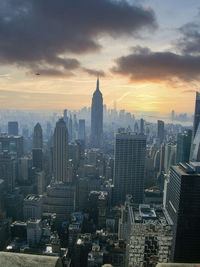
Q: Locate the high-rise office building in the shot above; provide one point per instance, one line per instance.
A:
(195, 147)
(14, 144)
(81, 130)
(161, 130)
(170, 156)
(183, 205)
(141, 126)
(60, 143)
(196, 114)
(129, 167)
(37, 156)
(37, 136)
(7, 170)
(13, 128)
(97, 118)
(183, 146)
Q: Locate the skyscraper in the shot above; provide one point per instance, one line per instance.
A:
(141, 126)
(60, 143)
(183, 205)
(129, 167)
(196, 114)
(37, 136)
(13, 128)
(195, 147)
(97, 118)
(81, 130)
(160, 130)
(183, 146)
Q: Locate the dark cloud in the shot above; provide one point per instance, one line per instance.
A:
(144, 65)
(40, 31)
(95, 72)
(189, 43)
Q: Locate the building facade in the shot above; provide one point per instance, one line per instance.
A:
(183, 205)
(129, 167)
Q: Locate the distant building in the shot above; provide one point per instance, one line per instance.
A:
(24, 165)
(14, 144)
(183, 146)
(196, 114)
(37, 136)
(170, 156)
(141, 126)
(81, 130)
(7, 170)
(13, 128)
(37, 156)
(161, 130)
(60, 151)
(32, 207)
(183, 205)
(97, 118)
(129, 167)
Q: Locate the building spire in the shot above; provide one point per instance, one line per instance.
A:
(97, 82)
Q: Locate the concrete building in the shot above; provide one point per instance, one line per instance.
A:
(149, 236)
(60, 199)
(129, 167)
(13, 144)
(23, 260)
(34, 232)
(32, 207)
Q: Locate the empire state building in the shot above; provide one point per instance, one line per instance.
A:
(97, 118)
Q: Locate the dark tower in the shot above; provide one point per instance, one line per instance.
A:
(183, 205)
(97, 118)
(37, 136)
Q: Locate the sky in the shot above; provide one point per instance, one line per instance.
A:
(146, 53)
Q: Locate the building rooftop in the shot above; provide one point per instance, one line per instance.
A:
(146, 215)
(26, 260)
(32, 198)
(178, 265)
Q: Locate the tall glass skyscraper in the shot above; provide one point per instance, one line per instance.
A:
(97, 118)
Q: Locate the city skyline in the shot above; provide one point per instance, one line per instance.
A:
(68, 69)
